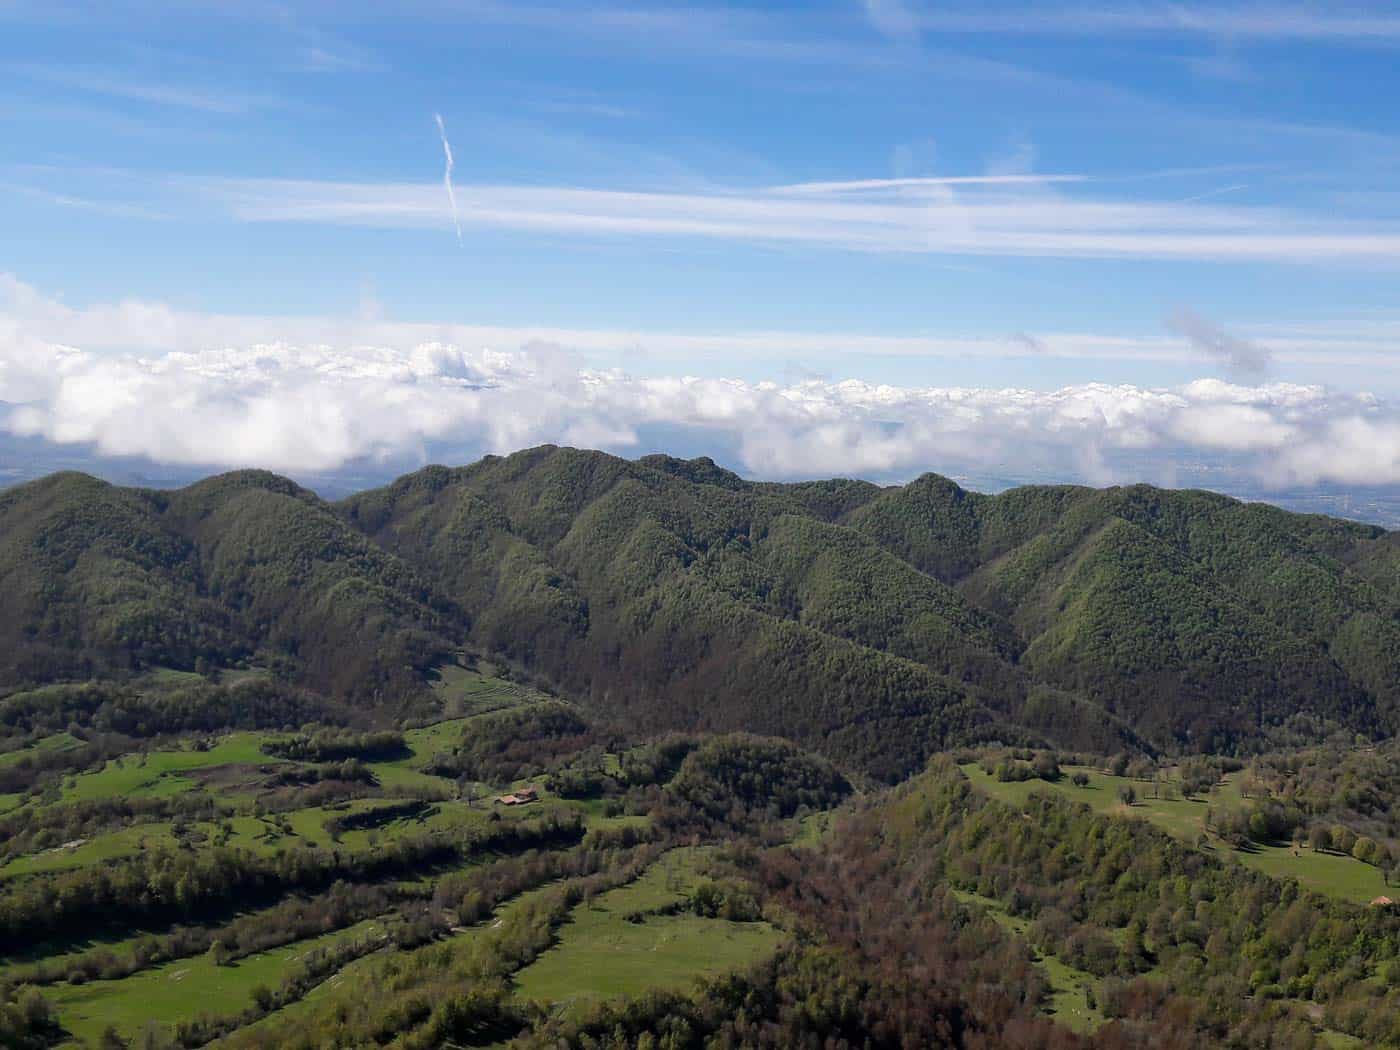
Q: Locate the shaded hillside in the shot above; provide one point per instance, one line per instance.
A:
(894, 620)
(875, 625)
(666, 602)
(99, 580)
(93, 581)
(1194, 616)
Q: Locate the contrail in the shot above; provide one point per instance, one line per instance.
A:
(447, 175)
(1216, 192)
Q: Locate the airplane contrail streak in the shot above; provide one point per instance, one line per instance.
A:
(447, 175)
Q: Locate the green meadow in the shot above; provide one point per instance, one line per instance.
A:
(161, 773)
(601, 954)
(56, 742)
(1333, 874)
(262, 835)
(158, 774)
(183, 989)
(467, 692)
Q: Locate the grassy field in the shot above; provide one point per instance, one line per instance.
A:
(170, 677)
(92, 851)
(70, 950)
(593, 812)
(183, 989)
(1340, 1040)
(304, 827)
(56, 742)
(314, 997)
(262, 835)
(235, 771)
(406, 773)
(465, 692)
(601, 954)
(465, 695)
(1334, 874)
(158, 774)
(358, 970)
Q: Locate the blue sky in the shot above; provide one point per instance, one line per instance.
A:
(1055, 198)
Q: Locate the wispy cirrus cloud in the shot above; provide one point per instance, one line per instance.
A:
(730, 31)
(1328, 23)
(894, 18)
(978, 215)
(140, 89)
(116, 209)
(915, 183)
(573, 107)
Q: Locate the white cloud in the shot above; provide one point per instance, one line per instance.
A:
(893, 18)
(117, 209)
(145, 326)
(932, 183)
(121, 85)
(1006, 214)
(1332, 22)
(318, 404)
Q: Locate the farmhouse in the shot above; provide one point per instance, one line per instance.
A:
(520, 797)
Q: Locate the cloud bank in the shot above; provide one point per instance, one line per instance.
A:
(321, 404)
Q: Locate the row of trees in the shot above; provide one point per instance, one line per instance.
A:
(344, 904)
(339, 745)
(452, 992)
(163, 886)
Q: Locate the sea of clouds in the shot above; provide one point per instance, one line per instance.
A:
(143, 380)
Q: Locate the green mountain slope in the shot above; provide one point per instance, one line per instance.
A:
(244, 566)
(671, 602)
(92, 581)
(876, 625)
(1196, 617)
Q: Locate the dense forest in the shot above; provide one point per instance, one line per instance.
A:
(878, 625)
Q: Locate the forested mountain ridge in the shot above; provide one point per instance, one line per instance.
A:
(98, 580)
(874, 624)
